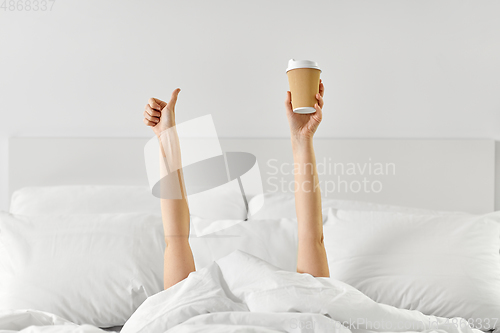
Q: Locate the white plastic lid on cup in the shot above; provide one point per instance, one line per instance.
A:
(294, 64)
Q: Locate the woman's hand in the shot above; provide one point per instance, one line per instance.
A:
(303, 126)
(160, 115)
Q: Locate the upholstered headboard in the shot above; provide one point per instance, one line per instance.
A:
(435, 174)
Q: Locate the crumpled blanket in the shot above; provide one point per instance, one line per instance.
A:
(243, 293)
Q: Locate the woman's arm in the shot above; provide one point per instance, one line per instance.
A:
(311, 250)
(178, 258)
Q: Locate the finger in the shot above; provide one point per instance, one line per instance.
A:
(149, 123)
(319, 98)
(156, 104)
(173, 99)
(151, 118)
(319, 112)
(288, 102)
(151, 112)
(321, 88)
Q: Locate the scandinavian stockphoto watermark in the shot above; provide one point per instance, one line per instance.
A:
(343, 177)
(186, 161)
(436, 323)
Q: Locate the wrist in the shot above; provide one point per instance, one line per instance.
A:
(302, 148)
(299, 142)
(169, 131)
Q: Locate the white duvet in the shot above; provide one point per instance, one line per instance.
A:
(242, 293)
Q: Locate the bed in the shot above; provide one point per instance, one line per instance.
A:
(82, 244)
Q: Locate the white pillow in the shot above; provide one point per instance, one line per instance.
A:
(442, 265)
(85, 199)
(223, 202)
(274, 241)
(98, 268)
(282, 205)
(89, 269)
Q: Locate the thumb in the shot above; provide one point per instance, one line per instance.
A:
(173, 99)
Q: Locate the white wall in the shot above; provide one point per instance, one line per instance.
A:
(392, 69)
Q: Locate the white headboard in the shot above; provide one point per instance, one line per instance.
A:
(434, 174)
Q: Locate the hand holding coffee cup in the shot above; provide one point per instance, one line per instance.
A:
(303, 126)
(303, 79)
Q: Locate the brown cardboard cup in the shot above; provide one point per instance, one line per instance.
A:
(303, 79)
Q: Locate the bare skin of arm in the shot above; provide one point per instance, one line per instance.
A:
(178, 258)
(311, 256)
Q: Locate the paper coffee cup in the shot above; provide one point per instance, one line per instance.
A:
(303, 79)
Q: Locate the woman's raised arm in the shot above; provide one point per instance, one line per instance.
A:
(311, 250)
(178, 259)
